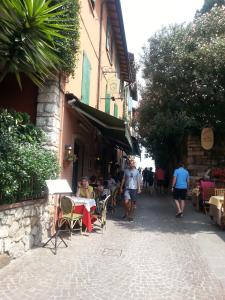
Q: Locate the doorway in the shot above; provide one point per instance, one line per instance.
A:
(78, 165)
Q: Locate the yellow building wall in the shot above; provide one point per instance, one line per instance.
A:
(89, 43)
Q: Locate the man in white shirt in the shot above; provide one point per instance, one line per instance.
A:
(132, 183)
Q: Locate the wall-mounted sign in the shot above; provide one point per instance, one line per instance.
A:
(207, 138)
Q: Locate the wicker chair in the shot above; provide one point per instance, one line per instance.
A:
(68, 217)
(114, 198)
(219, 192)
(101, 215)
(208, 194)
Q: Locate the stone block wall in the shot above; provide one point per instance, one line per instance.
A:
(48, 113)
(24, 225)
(200, 160)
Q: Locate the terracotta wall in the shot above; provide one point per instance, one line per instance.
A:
(75, 127)
(13, 98)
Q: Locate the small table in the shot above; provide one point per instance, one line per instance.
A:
(217, 201)
(84, 206)
(215, 210)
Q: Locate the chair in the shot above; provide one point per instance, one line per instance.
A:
(219, 192)
(67, 216)
(209, 192)
(114, 197)
(101, 215)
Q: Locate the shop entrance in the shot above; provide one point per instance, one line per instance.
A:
(78, 165)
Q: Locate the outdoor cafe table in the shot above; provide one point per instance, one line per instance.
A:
(84, 206)
(215, 210)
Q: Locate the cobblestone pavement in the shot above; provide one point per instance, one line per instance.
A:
(156, 257)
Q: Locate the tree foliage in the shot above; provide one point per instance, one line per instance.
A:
(34, 35)
(184, 72)
(68, 46)
(209, 4)
(25, 164)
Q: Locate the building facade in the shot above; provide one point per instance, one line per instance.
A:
(86, 117)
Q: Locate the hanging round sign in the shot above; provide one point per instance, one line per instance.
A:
(207, 138)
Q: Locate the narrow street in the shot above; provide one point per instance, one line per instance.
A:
(155, 257)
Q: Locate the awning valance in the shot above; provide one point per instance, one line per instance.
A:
(112, 128)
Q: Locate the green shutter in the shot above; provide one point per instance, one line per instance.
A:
(107, 103)
(86, 72)
(115, 110)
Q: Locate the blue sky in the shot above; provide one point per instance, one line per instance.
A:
(143, 17)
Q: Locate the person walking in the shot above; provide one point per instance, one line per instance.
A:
(150, 180)
(160, 179)
(180, 185)
(145, 178)
(132, 183)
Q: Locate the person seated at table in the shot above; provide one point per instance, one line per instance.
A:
(113, 187)
(111, 183)
(93, 181)
(100, 180)
(204, 185)
(101, 193)
(84, 189)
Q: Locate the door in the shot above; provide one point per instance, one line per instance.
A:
(78, 165)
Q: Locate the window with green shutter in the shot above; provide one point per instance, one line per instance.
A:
(115, 110)
(107, 103)
(86, 74)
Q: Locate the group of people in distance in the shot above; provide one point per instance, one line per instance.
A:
(180, 183)
(155, 180)
(128, 185)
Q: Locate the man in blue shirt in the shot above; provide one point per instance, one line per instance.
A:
(179, 188)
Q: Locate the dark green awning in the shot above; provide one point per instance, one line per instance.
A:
(114, 129)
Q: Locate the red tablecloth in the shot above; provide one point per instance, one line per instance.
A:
(86, 220)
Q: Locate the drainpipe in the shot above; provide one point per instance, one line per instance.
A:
(100, 54)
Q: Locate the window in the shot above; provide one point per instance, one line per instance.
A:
(86, 73)
(109, 46)
(107, 103)
(115, 110)
(92, 2)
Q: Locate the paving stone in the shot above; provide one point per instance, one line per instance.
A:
(155, 258)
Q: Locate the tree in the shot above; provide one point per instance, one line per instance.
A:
(183, 68)
(209, 4)
(32, 36)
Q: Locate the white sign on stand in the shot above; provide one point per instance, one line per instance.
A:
(58, 186)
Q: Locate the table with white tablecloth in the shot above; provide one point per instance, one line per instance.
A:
(84, 206)
(216, 208)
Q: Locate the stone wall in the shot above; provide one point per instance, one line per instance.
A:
(48, 113)
(24, 225)
(200, 160)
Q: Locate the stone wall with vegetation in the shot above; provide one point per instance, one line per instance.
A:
(24, 225)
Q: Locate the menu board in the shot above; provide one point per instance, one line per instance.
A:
(58, 186)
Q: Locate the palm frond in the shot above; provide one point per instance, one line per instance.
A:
(31, 32)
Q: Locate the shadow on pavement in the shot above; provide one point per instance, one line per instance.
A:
(157, 214)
